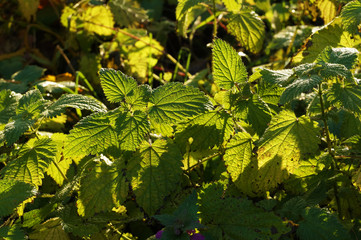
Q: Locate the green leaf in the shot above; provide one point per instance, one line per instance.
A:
(346, 96)
(185, 5)
(233, 218)
(33, 160)
(51, 229)
(12, 193)
(116, 85)
(228, 68)
(127, 13)
(99, 20)
(29, 8)
(139, 99)
(132, 129)
(60, 165)
(74, 101)
(255, 112)
(233, 5)
(154, 173)
(344, 56)
(15, 128)
(91, 135)
(8, 103)
(351, 16)
(285, 142)
(238, 155)
(175, 102)
(103, 187)
(11, 233)
(319, 224)
(206, 130)
(345, 125)
(29, 74)
(330, 35)
(249, 30)
(328, 10)
(280, 77)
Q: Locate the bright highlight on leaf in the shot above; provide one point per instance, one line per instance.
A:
(99, 20)
(116, 85)
(228, 68)
(351, 16)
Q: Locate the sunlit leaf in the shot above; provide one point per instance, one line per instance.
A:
(8, 103)
(51, 229)
(347, 96)
(328, 10)
(232, 5)
(344, 56)
(99, 20)
(351, 16)
(127, 13)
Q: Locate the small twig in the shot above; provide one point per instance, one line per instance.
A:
(204, 160)
(66, 59)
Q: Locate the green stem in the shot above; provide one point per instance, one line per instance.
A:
(215, 25)
(61, 171)
(329, 143)
(205, 159)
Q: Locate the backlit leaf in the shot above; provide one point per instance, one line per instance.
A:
(347, 96)
(185, 5)
(127, 13)
(285, 142)
(131, 129)
(33, 160)
(8, 103)
(249, 30)
(91, 135)
(233, 5)
(116, 85)
(103, 187)
(344, 56)
(175, 102)
(228, 68)
(139, 99)
(51, 229)
(351, 16)
(12, 193)
(206, 130)
(10, 233)
(99, 20)
(154, 172)
(328, 10)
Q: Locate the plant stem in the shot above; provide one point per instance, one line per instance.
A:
(334, 164)
(215, 25)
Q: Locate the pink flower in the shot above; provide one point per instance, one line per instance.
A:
(197, 236)
(158, 235)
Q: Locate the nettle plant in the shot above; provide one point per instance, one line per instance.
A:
(274, 155)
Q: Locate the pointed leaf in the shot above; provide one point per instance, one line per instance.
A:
(280, 77)
(285, 142)
(139, 99)
(175, 102)
(228, 68)
(344, 56)
(206, 130)
(154, 172)
(103, 187)
(12, 193)
(33, 160)
(91, 135)
(238, 154)
(132, 128)
(346, 96)
(232, 5)
(249, 30)
(116, 85)
(351, 16)
(185, 5)
(74, 101)
(8, 103)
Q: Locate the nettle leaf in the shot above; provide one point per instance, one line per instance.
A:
(13, 232)
(12, 193)
(138, 100)
(286, 141)
(29, 74)
(186, 5)
(127, 13)
(328, 10)
(91, 135)
(102, 188)
(206, 130)
(351, 16)
(248, 28)
(74, 101)
(320, 224)
(33, 160)
(154, 173)
(50, 229)
(8, 103)
(99, 20)
(330, 35)
(345, 125)
(131, 129)
(175, 102)
(233, 218)
(228, 68)
(346, 96)
(238, 155)
(60, 165)
(232, 5)
(344, 56)
(280, 77)
(255, 112)
(116, 85)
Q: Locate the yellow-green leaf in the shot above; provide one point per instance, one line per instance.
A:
(99, 20)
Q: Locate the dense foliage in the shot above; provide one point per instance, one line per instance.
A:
(189, 119)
